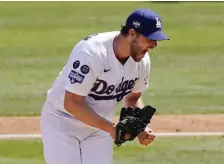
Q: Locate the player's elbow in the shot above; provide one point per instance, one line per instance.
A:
(67, 105)
(72, 102)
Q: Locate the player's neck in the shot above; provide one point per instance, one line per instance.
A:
(121, 48)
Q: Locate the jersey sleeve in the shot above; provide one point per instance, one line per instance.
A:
(143, 81)
(82, 70)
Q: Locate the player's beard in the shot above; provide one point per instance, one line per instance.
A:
(135, 51)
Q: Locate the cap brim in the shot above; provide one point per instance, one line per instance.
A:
(158, 36)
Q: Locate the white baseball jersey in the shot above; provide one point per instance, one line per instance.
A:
(93, 71)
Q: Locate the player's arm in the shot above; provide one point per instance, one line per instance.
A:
(81, 72)
(134, 99)
(75, 105)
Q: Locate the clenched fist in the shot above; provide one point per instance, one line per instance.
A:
(146, 137)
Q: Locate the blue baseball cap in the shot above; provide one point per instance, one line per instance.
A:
(147, 23)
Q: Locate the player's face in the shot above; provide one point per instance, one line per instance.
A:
(139, 46)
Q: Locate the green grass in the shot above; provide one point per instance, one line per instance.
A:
(185, 150)
(37, 37)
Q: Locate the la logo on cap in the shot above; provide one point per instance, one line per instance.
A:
(158, 23)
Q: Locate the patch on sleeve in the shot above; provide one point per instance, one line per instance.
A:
(76, 64)
(85, 69)
(75, 77)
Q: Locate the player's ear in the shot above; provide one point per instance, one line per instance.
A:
(132, 33)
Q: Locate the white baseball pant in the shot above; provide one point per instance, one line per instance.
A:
(68, 141)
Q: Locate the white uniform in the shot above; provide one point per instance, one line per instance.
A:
(93, 71)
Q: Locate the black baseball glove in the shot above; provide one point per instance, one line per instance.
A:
(132, 122)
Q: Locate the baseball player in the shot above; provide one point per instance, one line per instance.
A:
(102, 70)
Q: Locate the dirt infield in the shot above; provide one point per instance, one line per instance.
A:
(160, 123)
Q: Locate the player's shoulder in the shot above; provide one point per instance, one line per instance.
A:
(96, 44)
(145, 62)
(144, 65)
(102, 41)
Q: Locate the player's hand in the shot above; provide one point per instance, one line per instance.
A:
(146, 137)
